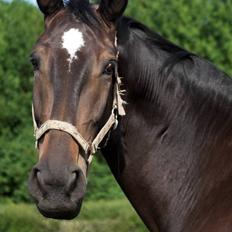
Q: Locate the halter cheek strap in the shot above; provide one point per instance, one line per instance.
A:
(88, 148)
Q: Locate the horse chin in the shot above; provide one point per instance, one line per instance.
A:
(64, 211)
(55, 201)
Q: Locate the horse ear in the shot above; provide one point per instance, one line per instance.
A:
(111, 10)
(49, 7)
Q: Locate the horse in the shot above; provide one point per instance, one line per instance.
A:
(160, 115)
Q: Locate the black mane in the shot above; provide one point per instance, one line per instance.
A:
(173, 83)
(168, 63)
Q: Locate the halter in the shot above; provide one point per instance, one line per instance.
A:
(88, 148)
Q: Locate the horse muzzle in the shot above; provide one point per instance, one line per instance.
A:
(58, 196)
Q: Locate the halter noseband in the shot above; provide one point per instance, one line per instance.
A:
(88, 148)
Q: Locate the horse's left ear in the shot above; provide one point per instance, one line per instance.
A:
(49, 7)
(112, 10)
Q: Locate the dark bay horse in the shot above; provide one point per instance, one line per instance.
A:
(171, 152)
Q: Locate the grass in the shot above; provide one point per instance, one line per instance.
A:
(97, 216)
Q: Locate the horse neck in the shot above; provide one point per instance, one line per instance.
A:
(158, 160)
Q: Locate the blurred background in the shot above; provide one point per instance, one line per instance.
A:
(203, 27)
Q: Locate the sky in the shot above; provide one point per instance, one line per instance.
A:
(32, 1)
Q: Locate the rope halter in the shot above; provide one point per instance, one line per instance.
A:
(88, 148)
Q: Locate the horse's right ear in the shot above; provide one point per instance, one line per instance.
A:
(49, 7)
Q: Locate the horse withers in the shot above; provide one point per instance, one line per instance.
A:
(169, 147)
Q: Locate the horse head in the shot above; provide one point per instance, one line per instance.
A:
(75, 71)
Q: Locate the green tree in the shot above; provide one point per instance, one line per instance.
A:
(20, 24)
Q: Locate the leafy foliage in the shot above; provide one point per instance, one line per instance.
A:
(203, 27)
(20, 24)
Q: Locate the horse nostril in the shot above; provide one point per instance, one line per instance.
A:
(35, 171)
(37, 175)
(73, 176)
(72, 182)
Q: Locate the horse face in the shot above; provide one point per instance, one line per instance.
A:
(74, 65)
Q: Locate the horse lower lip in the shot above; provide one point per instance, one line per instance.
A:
(62, 211)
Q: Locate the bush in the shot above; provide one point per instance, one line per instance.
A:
(20, 24)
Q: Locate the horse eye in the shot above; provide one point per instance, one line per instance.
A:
(110, 69)
(35, 62)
